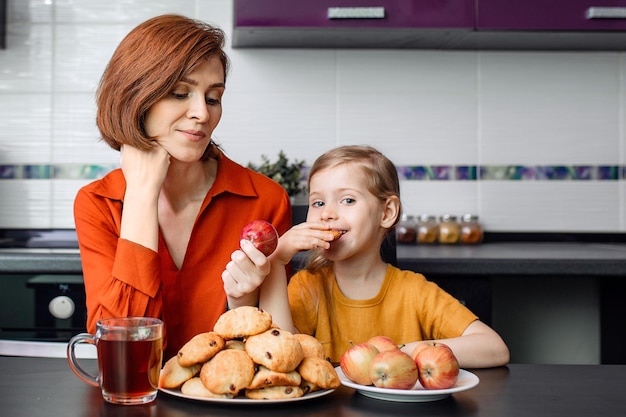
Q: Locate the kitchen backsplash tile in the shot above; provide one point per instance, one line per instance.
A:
(399, 72)
(32, 11)
(547, 108)
(530, 141)
(82, 52)
(27, 65)
(426, 128)
(125, 11)
(561, 206)
(25, 128)
(26, 204)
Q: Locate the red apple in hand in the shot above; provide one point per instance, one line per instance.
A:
(355, 363)
(393, 369)
(262, 234)
(437, 365)
(383, 343)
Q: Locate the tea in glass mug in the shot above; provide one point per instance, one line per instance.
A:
(130, 353)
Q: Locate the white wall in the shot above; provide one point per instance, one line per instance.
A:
(420, 107)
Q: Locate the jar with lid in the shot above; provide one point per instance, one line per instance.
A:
(427, 229)
(471, 229)
(449, 229)
(406, 232)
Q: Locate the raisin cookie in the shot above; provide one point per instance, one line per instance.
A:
(319, 372)
(276, 349)
(265, 377)
(311, 347)
(173, 375)
(200, 348)
(195, 388)
(242, 322)
(274, 393)
(228, 372)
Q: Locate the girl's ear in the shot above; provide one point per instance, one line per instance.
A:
(390, 212)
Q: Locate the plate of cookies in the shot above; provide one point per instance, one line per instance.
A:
(466, 381)
(246, 359)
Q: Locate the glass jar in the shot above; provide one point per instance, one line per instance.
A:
(449, 229)
(471, 229)
(427, 229)
(406, 232)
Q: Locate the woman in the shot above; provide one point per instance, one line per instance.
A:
(347, 294)
(159, 237)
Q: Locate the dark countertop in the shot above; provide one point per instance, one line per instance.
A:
(33, 387)
(40, 261)
(498, 259)
(516, 258)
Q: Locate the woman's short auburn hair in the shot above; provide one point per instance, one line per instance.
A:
(145, 67)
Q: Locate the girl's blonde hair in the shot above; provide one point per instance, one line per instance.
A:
(378, 170)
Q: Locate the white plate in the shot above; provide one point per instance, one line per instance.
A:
(467, 380)
(246, 401)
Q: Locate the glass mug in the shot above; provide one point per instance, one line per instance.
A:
(130, 352)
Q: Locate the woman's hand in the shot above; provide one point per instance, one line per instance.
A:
(302, 237)
(144, 173)
(144, 169)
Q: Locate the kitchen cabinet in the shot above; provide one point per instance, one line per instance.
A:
(555, 15)
(584, 25)
(431, 24)
(350, 23)
(3, 24)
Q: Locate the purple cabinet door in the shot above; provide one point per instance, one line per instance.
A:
(592, 15)
(355, 13)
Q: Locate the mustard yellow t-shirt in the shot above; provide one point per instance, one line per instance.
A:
(407, 308)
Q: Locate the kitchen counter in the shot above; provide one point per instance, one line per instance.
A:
(500, 258)
(40, 261)
(516, 258)
(33, 387)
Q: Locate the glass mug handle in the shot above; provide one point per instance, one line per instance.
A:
(85, 338)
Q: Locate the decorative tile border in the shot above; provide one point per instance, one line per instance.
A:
(406, 173)
(58, 172)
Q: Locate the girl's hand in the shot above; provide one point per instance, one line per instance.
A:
(245, 272)
(144, 169)
(302, 237)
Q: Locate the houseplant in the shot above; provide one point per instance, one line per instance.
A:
(286, 173)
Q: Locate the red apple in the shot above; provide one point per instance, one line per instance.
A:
(355, 363)
(262, 234)
(437, 365)
(393, 369)
(383, 343)
(419, 347)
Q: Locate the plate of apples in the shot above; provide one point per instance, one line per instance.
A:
(380, 369)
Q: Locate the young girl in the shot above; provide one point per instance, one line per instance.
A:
(347, 294)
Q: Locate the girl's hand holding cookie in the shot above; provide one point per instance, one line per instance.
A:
(303, 237)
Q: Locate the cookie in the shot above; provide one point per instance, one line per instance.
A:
(308, 387)
(200, 348)
(336, 234)
(274, 393)
(319, 372)
(242, 322)
(173, 375)
(265, 377)
(228, 372)
(195, 388)
(311, 347)
(276, 349)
